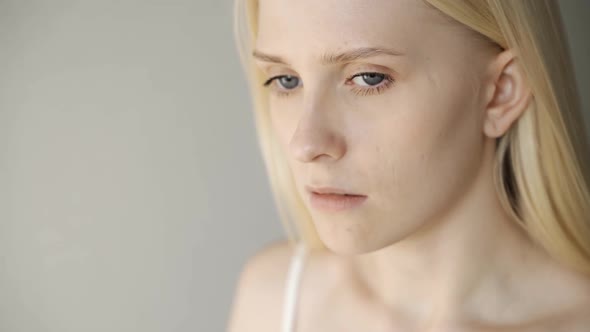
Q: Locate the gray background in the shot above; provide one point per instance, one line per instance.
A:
(131, 186)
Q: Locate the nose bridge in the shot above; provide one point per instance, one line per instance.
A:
(317, 133)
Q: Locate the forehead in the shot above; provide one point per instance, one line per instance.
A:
(332, 24)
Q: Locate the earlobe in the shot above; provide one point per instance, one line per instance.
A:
(510, 98)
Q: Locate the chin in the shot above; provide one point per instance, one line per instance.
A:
(346, 238)
(353, 237)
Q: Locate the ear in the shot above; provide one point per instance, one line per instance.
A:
(508, 95)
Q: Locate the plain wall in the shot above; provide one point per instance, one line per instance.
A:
(131, 185)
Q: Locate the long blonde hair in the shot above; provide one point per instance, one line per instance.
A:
(542, 163)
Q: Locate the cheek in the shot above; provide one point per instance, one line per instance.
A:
(405, 153)
(423, 157)
(283, 121)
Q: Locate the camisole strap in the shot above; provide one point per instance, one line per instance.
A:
(292, 289)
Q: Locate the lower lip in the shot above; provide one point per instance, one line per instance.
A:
(334, 202)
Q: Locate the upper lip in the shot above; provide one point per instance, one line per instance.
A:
(330, 190)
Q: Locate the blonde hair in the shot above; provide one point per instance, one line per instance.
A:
(541, 164)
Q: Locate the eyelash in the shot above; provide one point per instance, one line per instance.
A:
(373, 90)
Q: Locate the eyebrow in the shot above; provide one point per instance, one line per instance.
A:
(334, 58)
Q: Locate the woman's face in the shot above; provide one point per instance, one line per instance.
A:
(407, 134)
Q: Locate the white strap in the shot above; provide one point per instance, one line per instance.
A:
(292, 290)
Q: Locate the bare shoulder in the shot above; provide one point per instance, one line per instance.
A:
(574, 297)
(260, 291)
(581, 322)
(580, 317)
(257, 303)
(573, 320)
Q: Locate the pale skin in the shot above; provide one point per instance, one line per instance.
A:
(431, 249)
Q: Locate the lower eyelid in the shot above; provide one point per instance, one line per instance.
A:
(375, 90)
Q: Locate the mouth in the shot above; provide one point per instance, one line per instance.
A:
(334, 199)
(331, 191)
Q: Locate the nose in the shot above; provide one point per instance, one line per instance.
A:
(316, 137)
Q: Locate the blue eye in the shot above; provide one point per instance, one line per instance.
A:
(364, 84)
(369, 79)
(287, 82)
(370, 83)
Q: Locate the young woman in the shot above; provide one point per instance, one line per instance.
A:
(430, 164)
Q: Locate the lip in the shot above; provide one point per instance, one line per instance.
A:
(334, 199)
(330, 190)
